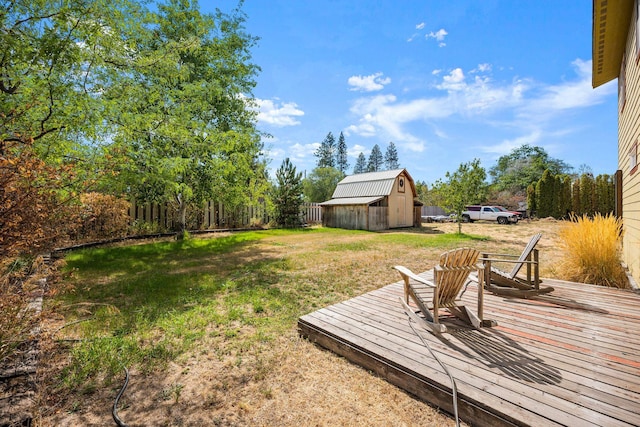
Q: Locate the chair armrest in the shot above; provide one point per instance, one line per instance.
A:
(405, 272)
(509, 260)
(501, 255)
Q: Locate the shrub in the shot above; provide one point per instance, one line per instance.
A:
(102, 216)
(591, 249)
(34, 201)
(18, 280)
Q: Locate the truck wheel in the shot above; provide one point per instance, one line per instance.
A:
(466, 218)
(502, 220)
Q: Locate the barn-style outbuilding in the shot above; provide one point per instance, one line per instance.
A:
(373, 201)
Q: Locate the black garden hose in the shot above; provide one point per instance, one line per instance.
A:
(114, 412)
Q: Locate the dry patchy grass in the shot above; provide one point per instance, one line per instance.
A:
(286, 381)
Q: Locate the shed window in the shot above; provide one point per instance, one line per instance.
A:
(633, 158)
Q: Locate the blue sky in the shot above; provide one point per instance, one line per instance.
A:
(445, 81)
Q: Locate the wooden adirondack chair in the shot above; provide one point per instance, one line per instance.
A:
(509, 283)
(449, 277)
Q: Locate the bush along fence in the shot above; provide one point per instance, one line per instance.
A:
(213, 215)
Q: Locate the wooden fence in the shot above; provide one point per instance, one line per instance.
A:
(214, 215)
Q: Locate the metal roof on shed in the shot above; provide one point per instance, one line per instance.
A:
(372, 176)
(351, 201)
(367, 184)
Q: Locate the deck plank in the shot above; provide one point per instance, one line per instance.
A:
(571, 358)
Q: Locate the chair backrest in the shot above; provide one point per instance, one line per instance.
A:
(452, 273)
(525, 255)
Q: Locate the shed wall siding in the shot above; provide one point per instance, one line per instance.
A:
(378, 218)
(401, 212)
(628, 134)
(351, 217)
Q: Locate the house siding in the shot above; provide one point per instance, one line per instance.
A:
(629, 134)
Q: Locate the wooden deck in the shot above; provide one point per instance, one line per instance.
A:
(571, 358)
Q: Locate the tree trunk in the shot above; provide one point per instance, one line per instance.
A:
(182, 217)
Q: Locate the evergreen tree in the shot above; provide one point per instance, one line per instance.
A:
(288, 195)
(587, 194)
(325, 153)
(375, 159)
(565, 197)
(341, 155)
(361, 164)
(532, 205)
(545, 194)
(576, 205)
(605, 194)
(391, 157)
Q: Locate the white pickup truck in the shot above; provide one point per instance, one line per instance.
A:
(488, 213)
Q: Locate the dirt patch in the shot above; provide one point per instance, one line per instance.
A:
(288, 381)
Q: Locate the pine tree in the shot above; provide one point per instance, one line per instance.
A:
(341, 155)
(391, 157)
(361, 164)
(288, 195)
(375, 159)
(325, 153)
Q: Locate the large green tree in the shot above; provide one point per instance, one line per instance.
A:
(57, 60)
(186, 128)
(320, 184)
(463, 187)
(524, 166)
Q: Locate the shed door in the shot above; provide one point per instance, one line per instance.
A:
(400, 211)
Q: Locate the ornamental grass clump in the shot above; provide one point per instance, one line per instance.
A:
(591, 248)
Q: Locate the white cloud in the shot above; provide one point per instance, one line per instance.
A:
(370, 83)
(525, 108)
(299, 151)
(552, 100)
(571, 94)
(277, 113)
(482, 68)
(508, 145)
(356, 150)
(453, 81)
(439, 36)
(420, 26)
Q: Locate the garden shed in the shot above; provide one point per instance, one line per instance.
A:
(373, 201)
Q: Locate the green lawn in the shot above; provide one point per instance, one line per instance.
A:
(146, 305)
